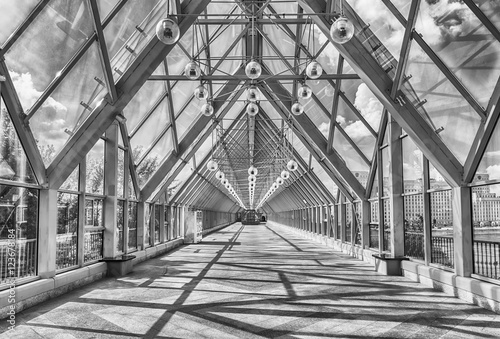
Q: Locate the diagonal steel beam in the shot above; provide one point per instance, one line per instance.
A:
(403, 112)
(129, 84)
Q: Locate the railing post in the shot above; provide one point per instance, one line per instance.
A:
(47, 233)
(365, 223)
(462, 231)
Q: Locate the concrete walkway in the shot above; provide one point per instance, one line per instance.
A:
(255, 282)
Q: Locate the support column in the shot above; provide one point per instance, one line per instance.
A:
(82, 180)
(427, 214)
(110, 183)
(397, 201)
(462, 231)
(171, 223)
(47, 233)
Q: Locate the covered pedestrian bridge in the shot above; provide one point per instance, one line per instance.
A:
(250, 167)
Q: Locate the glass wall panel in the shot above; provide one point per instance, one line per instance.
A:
(338, 224)
(95, 169)
(492, 10)
(148, 217)
(350, 155)
(486, 230)
(14, 165)
(463, 43)
(374, 224)
(71, 184)
(436, 180)
(348, 222)
(154, 158)
(387, 224)
(120, 181)
(489, 167)
(442, 228)
(412, 167)
(132, 225)
(67, 230)
(120, 215)
(167, 223)
(357, 222)
(157, 224)
(18, 234)
(414, 226)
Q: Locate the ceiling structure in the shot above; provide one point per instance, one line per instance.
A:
(73, 68)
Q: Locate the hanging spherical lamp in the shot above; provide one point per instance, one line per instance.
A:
(285, 174)
(252, 178)
(220, 175)
(280, 181)
(224, 181)
(342, 30)
(201, 93)
(228, 185)
(297, 109)
(212, 165)
(192, 71)
(252, 170)
(252, 109)
(292, 166)
(314, 70)
(167, 31)
(304, 92)
(275, 185)
(253, 94)
(207, 109)
(253, 70)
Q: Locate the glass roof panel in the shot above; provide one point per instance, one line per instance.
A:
(357, 131)
(70, 103)
(403, 6)
(353, 161)
(445, 108)
(182, 92)
(322, 175)
(492, 10)
(176, 61)
(187, 118)
(317, 116)
(37, 57)
(151, 129)
(14, 164)
(123, 39)
(382, 23)
(154, 158)
(142, 103)
(105, 6)
(364, 100)
(12, 15)
(462, 42)
(275, 64)
(489, 167)
(221, 6)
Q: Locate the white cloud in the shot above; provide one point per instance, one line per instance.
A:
(493, 171)
(324, 128)
(50, 121)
